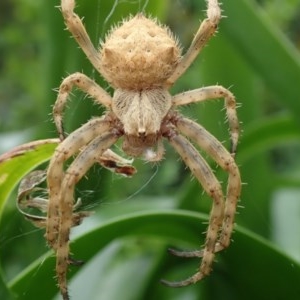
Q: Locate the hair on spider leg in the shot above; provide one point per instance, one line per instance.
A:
(239, 105)
(185, 253)
(205, 223)
(239, 207)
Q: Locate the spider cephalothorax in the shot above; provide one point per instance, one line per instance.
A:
(141, 60)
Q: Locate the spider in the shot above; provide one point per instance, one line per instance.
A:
(141, 60)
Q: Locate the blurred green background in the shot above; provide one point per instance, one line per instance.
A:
(256, 55)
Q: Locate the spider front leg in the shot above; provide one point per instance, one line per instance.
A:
(210, 93)
(207, 28)
(211, 185)
(85, 84)
(55, 174)
(75, 26)
(75, 172)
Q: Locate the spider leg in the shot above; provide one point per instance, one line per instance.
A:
(209, 93)
(74, 173)
(84, 83)
(217, 151)
(204, 33)
(75, 26)
(55, 173)
(211, 185)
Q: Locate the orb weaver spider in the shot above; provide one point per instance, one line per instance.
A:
(141, 60)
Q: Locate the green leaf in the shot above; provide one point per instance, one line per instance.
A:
(4, 292)
(265, 48)
(266, 134)
(19, 161)
(249, 262)
(13, 166)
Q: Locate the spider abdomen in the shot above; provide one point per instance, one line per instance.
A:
(139, 54)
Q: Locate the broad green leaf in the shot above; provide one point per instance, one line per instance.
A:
(266, 134)
(249, 262)
(16, 163)
(4, 291)
(265, 48)
(13, 166)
